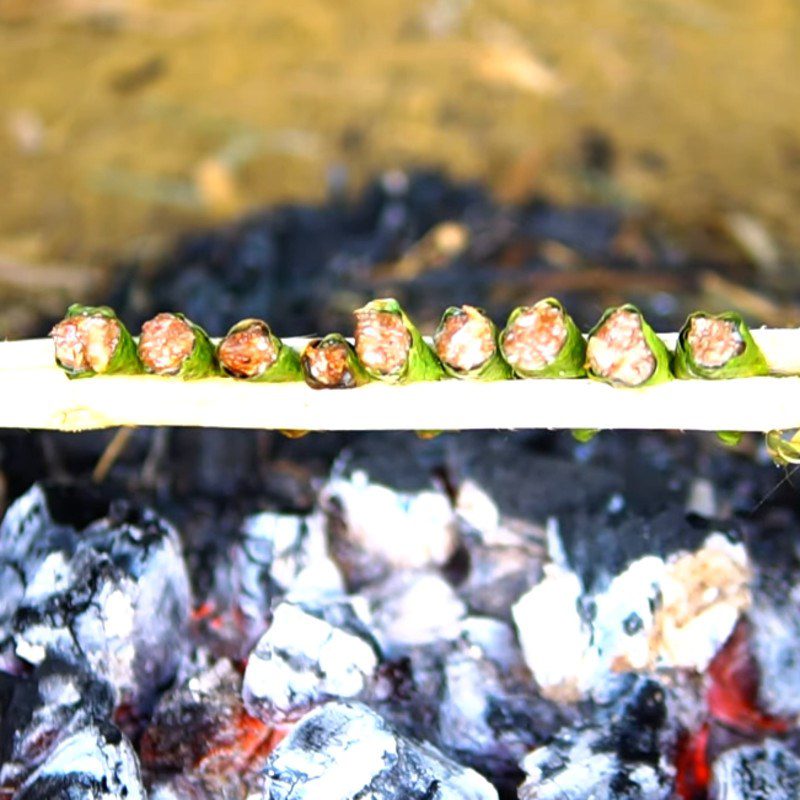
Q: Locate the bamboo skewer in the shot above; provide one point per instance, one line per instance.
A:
(37, 395)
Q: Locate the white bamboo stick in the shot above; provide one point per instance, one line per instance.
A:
(35, 394)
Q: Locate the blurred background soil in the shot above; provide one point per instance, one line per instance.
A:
(125, 122)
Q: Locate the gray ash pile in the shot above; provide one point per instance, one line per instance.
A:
(480, 615)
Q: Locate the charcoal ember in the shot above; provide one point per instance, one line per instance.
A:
(56, 701)
(489, 716)
(617, 753)
(28, 537)
(94, 763)
(282, 555)
(386, 511)
(775, 644)
(496, 575)
(308, 655)
(201, 730)
(346, 750)
(673, 612)
(414, 608)
(186, 787)
(114, 596)
(768, 771)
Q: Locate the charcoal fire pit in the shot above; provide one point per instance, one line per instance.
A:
(197, 613)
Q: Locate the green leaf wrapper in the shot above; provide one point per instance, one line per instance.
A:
(125, 359)
(730, 438)
(202, 361)
(584, 435)
(286, 367)
(749, 363)
(662, 355)
(359, 374)
(571, 360)
(422, 363)
(494, 368)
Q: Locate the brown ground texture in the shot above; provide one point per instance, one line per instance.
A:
(123, 122)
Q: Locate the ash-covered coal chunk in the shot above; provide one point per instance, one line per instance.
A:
(280, 555)
(346, 750)
(94, 763)
(489, 716)
(113, 596)
(774, 634)
(56, 701)
(308, 655)
(618, 753)
(674, 612)
(756, 772)
(414, 608)
(201, 740)
(387, 511)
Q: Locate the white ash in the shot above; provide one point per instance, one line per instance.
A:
(589, 776)
(555, 637)
(756, 772)
(414, 608)
(503, 560)
(471, 696)
(309, 655)
(486, 717)
(28, 536)
(618, 752)
(346, 750)
(377, 528)
(280, 555)
(775, 643)
(672, 612)
(95, 763)
(479, 510)
(495, 640)
(187, 787)
(56, 701)
(114, 596)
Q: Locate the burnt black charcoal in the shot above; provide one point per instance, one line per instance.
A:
(56, 701)
(346, 750)
(756, 772)
(636, 732)
(550, 486)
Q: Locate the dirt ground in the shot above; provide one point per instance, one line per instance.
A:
(123, 122)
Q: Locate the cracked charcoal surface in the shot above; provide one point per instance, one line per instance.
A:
(279, 556)
(55, 702)
(344, 750)
(95, 763)
(619, 754)
(113, 596)
(309, 655)
(378, 522)
(756, 772)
